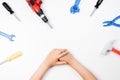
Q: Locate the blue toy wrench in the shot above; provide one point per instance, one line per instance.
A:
(10, 37)
(75, 8)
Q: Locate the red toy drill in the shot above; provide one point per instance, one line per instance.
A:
(35, 5)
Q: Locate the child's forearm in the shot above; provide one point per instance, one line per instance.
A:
(51, 60)
(40, 72)
(86, 74)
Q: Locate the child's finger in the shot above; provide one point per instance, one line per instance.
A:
(59, 51)
(62, 54)
(60, 63)
(62, 50)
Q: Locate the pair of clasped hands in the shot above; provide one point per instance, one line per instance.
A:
(60, 57)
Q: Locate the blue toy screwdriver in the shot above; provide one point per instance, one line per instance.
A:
(97, 6)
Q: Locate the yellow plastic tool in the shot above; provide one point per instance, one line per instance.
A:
(12, 57)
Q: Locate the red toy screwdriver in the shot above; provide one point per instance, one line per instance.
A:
(36, 7)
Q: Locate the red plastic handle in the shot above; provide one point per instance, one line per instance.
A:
(36, 7)
(116, 51)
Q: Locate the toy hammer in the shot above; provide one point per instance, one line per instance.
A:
(110, 48)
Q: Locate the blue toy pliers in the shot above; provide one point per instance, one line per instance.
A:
(75, 8)
(112, 23)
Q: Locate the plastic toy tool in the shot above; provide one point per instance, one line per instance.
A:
(36, 7)
(110, 48)
(112, 22)
(12, 57)
(75, 8)
(9, 9)
(97, 6)
(10, 37)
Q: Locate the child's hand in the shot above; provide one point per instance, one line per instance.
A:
(53, 57)
(68, 58)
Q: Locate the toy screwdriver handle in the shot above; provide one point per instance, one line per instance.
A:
(8, 7)
(98, 3)
(14, 56)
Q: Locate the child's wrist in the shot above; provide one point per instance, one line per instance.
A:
(46, 64)
(72, 61)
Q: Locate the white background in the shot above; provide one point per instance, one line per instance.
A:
(82, 35)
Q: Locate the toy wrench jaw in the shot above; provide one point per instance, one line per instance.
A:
(74, 9)
(11, 37)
